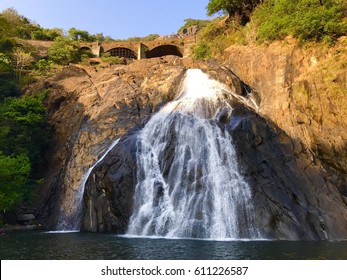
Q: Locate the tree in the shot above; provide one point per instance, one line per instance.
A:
(8, 86)
(14, 173)
(22, 60)
(23, 127)
(307, 20)
(81, 35)
(46, 34)
(238, 8)
(64, 51)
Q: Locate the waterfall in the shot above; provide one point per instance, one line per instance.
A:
(189, 185)
(72, 221)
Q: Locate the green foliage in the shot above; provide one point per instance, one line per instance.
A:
(24, 132)
(238, 8)
(23, 138)
(46, 34)
(306, 20)
(43, 65)
(6, 45)
(212, 30)
(84, 36)
(202, 51)
(213, 39)
(13, 24)
(8, 85)
(23, 126)
(79, 35)
(14, 173)
(64, 51)
(192, 22)
(113, 60)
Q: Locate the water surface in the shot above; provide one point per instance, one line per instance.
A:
(79, 246)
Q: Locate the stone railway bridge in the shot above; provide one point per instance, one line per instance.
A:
(139, 50)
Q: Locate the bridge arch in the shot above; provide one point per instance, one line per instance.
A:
(85, 49)
(164, 50)
(86, 52)
(123, 52)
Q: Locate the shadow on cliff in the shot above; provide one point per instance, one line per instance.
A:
(293, 200)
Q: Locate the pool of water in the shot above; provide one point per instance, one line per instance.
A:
(79, 246)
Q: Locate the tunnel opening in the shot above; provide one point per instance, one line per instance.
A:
(164, 50)
(86, 51)
(123, 52)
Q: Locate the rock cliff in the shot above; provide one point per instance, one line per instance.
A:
(289, 126)
(90, 108)
(303, 91)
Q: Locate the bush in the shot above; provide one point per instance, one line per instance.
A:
(213, 39)
(201, 51)
(23, 126)
(303, 19)
(43, 65)
(64, 51)
(46, 34)
(113, 60)
(192, 22)
(14, 173)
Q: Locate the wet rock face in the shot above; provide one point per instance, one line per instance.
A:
(108, 196)
(292, 198)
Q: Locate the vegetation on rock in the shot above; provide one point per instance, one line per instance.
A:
(306, 20)
(189, 22)
(64, 51)
(257, 22)
(234, 8)
(23, 129)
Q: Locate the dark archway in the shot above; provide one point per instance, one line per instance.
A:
(86, 52)
(164, 50)
(123, 52)
(86, 49)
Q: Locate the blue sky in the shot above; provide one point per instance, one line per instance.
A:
(119, 19)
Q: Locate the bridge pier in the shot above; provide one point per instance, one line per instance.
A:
(141, 53)
(96, 48)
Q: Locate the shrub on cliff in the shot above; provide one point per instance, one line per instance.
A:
(189, 22)
(318, 20)
(64, 51)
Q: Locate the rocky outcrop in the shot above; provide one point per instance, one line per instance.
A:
(88, 110)
(293, 198)
(303, 92)
(289, 127)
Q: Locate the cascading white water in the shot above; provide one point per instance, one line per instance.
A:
(72, 221)
(189, 185)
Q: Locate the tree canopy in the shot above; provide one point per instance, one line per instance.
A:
(64, 51)
(307, 20)
(234, 8)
